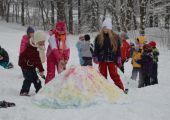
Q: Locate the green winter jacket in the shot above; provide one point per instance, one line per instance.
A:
(4, 54)
(155, 54)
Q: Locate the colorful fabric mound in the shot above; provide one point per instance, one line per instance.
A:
(78, 87)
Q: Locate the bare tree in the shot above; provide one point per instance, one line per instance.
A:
(22, 12)
(70, 4)
(60, 10)
(52, 13)
(8, 10)
(142, 4)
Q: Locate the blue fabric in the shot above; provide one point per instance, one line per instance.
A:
(80, 57)
(30, 30)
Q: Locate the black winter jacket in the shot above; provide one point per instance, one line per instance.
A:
(105, 53)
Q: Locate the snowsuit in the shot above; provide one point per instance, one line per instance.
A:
(5, 61)
(56, 57)
(137, 52)
(86, 53)
(107, 58)
(125, 53)
(29, 60)
(154, 75)
(146, 62)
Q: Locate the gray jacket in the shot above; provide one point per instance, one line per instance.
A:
(85, 49)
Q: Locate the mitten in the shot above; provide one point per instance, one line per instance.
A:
(119, 62)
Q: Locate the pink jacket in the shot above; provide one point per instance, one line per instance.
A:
(24, 42)
(57, 53)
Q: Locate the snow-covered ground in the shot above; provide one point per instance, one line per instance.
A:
(149, 103)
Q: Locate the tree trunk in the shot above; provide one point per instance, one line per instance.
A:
(1, 8)
(167, 17)
(95, 16)
(8, 10)
(142, 4)
(70, 16)
(123, 16)
(41, 4)
(79, 17)
(52, 13)
(22, 12)
(60, 10)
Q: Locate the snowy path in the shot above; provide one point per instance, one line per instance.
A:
(149, 103)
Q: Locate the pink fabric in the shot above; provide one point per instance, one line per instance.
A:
(51, 68)
(24, 42)
(61, 26)
(66, 54)
(54, 59)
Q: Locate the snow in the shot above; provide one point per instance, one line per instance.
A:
(78, 87)
(149, 103)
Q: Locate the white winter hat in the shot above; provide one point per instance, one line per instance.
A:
(38, 36)
(107, 23)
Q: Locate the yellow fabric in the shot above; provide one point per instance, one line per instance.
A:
(137, 55)
(141, 39)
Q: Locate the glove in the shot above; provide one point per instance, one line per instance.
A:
(95, 60)
(66, 54)
(41, 74)
(119, 62)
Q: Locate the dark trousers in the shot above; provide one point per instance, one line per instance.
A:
(146, 80)
(154, 75)
(30, 76)
(122, 68)
(87, 61)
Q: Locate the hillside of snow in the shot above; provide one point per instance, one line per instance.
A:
(149, 103)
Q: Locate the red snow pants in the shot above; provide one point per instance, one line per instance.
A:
(113, 73)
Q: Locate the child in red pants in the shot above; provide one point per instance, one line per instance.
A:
(58, 52)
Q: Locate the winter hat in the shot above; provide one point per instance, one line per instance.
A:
(61, 26)
(87, 37)
(30, 30)
(141, 39)
(124, 36)
(38, 36)
(152, 44)
(147, 48)
(107, 23)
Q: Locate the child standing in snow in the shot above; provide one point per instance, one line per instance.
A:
(58, 52)
(107, 53)
(4, 59)
(25, 39)
(125, 50)
(146, 62)
(137, 52)
(155, 51)
(78, 44)
(86, 51)
(30, 59)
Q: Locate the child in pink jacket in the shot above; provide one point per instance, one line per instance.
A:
(58, 52)
(25, 39)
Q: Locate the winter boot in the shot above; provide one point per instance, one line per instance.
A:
(38, 86)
